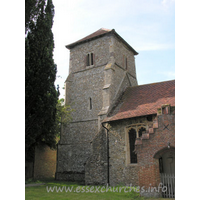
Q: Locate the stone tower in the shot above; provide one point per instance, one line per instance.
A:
(101, 66)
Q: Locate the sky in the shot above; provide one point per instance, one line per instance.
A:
(147, 25)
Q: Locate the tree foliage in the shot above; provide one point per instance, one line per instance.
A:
(63, 115)
(31, 12)
(40, 73)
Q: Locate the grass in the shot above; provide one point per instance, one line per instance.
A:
(77, 192)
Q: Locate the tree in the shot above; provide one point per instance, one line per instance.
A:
(40, 73)
(31, 11)
(63, 115)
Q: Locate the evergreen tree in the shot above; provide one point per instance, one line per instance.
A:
(31, 11)
(40, 74)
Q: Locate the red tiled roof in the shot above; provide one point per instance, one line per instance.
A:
(143, 100)
(99, 33)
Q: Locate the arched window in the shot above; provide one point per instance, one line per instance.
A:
(133, 132)
(132, 138)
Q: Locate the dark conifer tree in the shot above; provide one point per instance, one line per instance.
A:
(40, 74)
(31, 12)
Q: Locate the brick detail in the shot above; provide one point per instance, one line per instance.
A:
(151, 130)
(149, 164)
(149, 175)
(164, 110)
(155, 124)
(138, 141)
(145, 136)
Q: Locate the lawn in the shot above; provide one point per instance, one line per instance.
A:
(73, 191)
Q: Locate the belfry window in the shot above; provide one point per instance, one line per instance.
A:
(90, 59)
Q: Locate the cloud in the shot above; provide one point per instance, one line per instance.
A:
(168, 74)
(168, 3)
(147, 37)
(154, 46)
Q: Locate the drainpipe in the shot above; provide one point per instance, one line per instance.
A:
(107, 135)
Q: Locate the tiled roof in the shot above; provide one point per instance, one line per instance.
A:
(99, 33)
(143, 100)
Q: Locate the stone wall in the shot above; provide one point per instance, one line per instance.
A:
(145, 172)
(96, 168)
(100, 49)
(116, 75)
(116, 79)
(121, 52)
(121, 80)
(86, 84)
(100, 83)
(45, 162)
(83, 83)
(120, 171)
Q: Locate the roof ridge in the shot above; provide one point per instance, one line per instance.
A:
(93, 35)
(100, 33)
(105, 29)
(153, 83)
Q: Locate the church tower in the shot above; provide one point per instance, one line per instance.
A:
(101, 66)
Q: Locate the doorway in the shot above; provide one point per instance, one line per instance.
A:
(166, 158)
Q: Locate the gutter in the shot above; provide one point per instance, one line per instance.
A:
(108, 164)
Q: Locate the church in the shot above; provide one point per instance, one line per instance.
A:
(122, 133)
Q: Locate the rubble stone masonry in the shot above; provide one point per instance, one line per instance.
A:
(99, 84)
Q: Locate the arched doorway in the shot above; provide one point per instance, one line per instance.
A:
(166, 157)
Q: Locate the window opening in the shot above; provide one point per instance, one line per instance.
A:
(132, 138)
(90, 59)
(90, 104)
(91, 55)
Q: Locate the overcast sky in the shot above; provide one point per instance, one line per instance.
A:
(147, 25)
